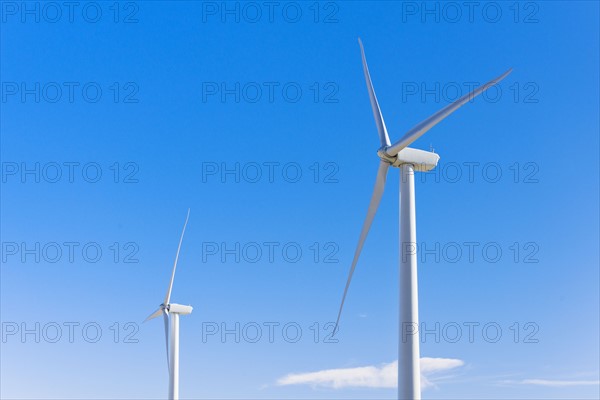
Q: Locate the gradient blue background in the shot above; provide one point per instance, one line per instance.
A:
(171, 132)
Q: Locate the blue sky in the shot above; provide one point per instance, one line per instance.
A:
(261, 124)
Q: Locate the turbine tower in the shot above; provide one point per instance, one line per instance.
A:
(171, 312)
(408, 160)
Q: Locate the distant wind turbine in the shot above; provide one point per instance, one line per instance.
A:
(408, 160)
(171, 313)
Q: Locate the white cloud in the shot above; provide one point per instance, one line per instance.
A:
(430, 366)
(383, 376)
(556, 383)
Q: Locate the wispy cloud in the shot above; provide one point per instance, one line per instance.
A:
(555, 383)
(382, 376)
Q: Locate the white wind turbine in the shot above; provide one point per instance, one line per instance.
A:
(408, 160)
(171, 312)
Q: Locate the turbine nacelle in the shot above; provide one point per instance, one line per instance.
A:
(171, 309)
(179, 309)
(421, 160)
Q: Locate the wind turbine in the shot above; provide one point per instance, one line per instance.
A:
(171, 312)
(408, 160)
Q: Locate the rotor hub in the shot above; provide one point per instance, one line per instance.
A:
(384, 156)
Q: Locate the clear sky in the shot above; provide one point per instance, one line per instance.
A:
(117, 118)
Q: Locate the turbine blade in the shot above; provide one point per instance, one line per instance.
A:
(373, 205)
(154, 315)
(383, 135)
(166, 322)
(430, 122)
(168, 296)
